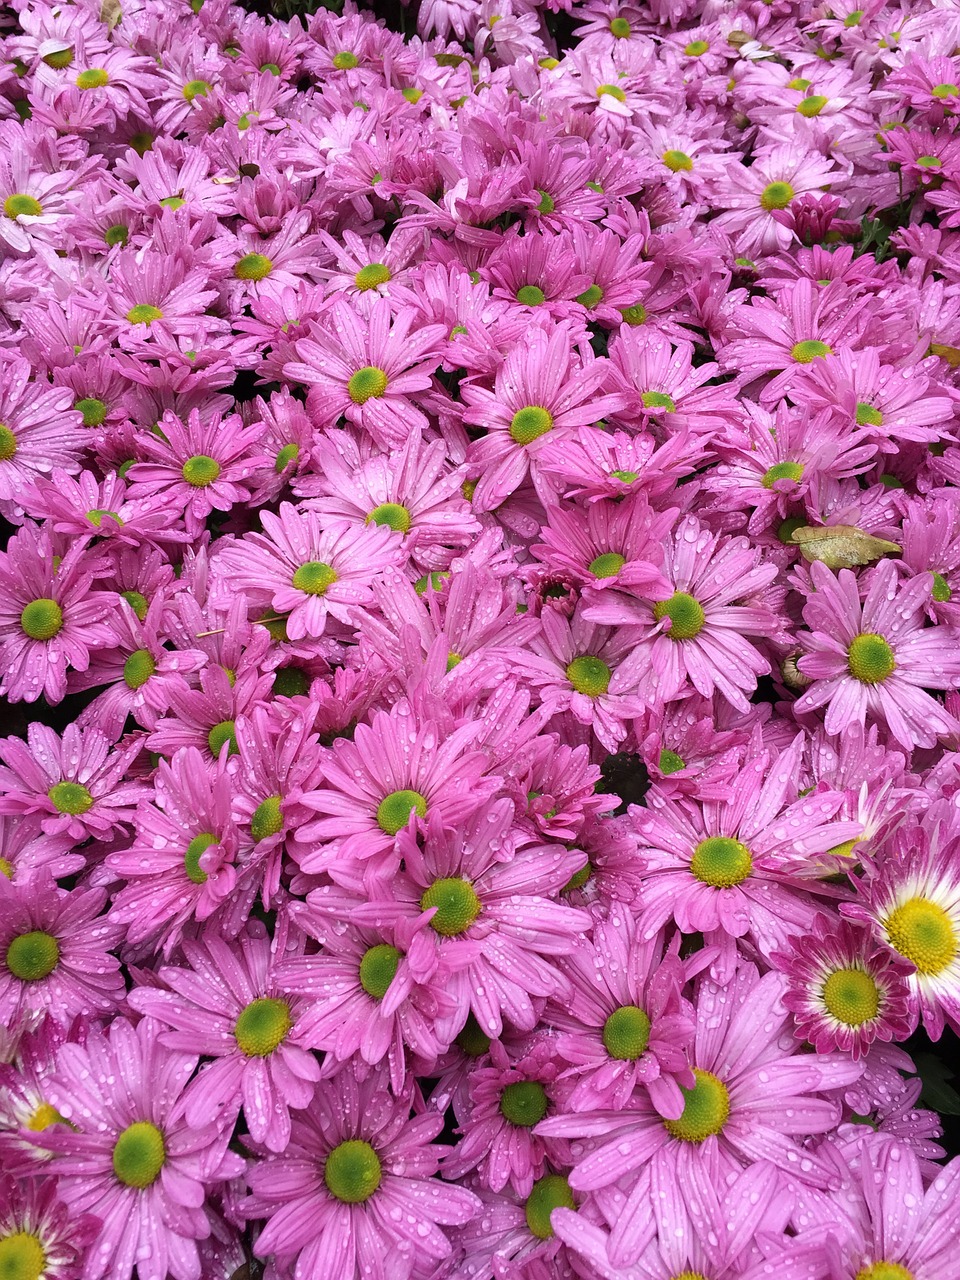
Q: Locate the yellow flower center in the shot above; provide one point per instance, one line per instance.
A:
(721, 862)
(368, 383)
(706, 1108)
(19, 205)
(685, 613)
(314, 577)
(529, 423)
(776, 195)
(457, 906)
(922, 932)
(870, 658)
(262, 1026)
(253, 266)
(139, 1155)
(851, 996)
(809, 350)
(22, 1256)
(41, 619)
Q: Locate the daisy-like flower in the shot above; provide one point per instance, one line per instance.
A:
(846, 990)
(305, 571)
(93, 508)
(26, 849)
(75, 784)
(367, 369)
(592, 463)
(496, 924)
(128, 1156)
(397, 769)
(39, 1236)
(39, 428)
(33, 202)
(665, 389)
(367, 269)
(911, 898)
(752, 195)
(541, 388)
(354, 1191)
(608, 545)
(725, 867)
(226, 1005)
(56, 953)
(196, 467)
(49, 618)
(698, 634)
(751, 1101)
(148, 289)
(875, 656)
(181, 864)
(626, 1024)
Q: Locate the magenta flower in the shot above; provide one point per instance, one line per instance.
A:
(38, 1233)
(228, 1006)
(75, 784)
(90, 508)
(49, 618)
(846, 989)
(39, 428)
(874, 657)
(306, 571)
(368, 369)
(626, 1025)
(355, 1188)
(56, 953)
(608, 546)
(128, 1157)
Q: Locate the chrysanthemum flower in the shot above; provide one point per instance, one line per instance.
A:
(911, 898)
(875, 656)
(39, 429)
(39, 1236)
(56, 953)
(74, 784)
(367, 369)
(846, 990)
(751, 195)
(128, 1156)
(354, 1190)
(306, 571)
(86, 507)
(227, 1005)
(608, 546)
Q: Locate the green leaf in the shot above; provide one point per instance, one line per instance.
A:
(937, 1093)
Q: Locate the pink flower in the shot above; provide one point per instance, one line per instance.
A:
(875, 656)
(39, 428)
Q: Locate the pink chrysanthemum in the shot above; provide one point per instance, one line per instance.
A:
(39, 1236)
(39, 428)
(354, 1191)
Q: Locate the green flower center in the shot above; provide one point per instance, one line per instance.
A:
(923, 932)
(138, 668)
(372, 275)
(352, 1171)
(706, 1108)
(800, 84)
(196, 89)
(941, 589)
(97, 514)
(287, 454)
(31, 956)
(314, 577)
(345, 60)
(782, 471)
(412, 94)
(290, 682)
(473, 1040)
(20, 205)
(191, 859)
(173, 202)
(788, 527)
(394, 810)
(201, 471)
(696, 48)
(776, 195)
(70, 797)
(267, 819)
(117, 234)
(929, 162)
(524, 1103)
(262, 1026)
(635, 315)
(225, 731)
(851, 996)
(677, 161)
(867, 415)
(22, 1256)
(670, 762)
(378, 968)
(658, 400)
(589, 675)
(809, 350)
(607, 565)
(137, 603)
(531, 295)
(620, 28)
(393, 515)
(626, 1033)
(579, 878)
(626, 477)
(94, 411)
(870, 658)
(612, 91)
(58, 61)
(368, 383)
(686, 615)
(884, 1271)
(813, 105)
(457, 906)
(253, 266)
(144, 313)
(271, 67)
(591, 297)
(945, 90)
(139, 1155)
(546, 204)
(8, 443)
(721, 862)
(41, 619)
(436, 579)
(93, 78)
(529, 423)
(548, 1193)
(853, 19)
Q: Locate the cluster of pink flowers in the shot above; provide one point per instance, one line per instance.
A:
(481, 594)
